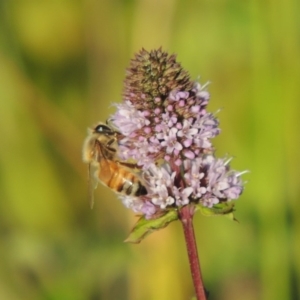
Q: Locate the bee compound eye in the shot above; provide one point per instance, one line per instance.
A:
(102, 128)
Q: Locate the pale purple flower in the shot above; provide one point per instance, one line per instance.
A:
(170, 141)
(194, 172)
(128, 118)
(178, 95)
(139, 205)
(206, 180)
(188, 131)
(200, 91)
(209, 200)
(156, 177)
(158, 181)
(134, 203)
(182, 195)
(222, 183)
(148, 209)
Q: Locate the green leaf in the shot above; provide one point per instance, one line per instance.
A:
(144, 227)
(221, 209)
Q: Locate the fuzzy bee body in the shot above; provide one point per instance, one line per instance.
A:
(120, 179)
(100, 152)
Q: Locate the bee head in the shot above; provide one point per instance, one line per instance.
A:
(103, 129)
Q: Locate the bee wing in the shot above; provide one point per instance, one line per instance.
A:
(92, 183)
(99, 169)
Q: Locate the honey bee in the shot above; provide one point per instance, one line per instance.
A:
(100, 152)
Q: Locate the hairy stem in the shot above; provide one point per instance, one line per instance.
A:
(186, 217)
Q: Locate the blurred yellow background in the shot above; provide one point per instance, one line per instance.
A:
(62, 64)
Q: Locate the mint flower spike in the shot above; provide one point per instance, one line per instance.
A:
(166, 129)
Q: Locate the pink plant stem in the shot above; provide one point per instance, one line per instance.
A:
(186, 217)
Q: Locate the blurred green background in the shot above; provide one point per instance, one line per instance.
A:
(62, 64)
